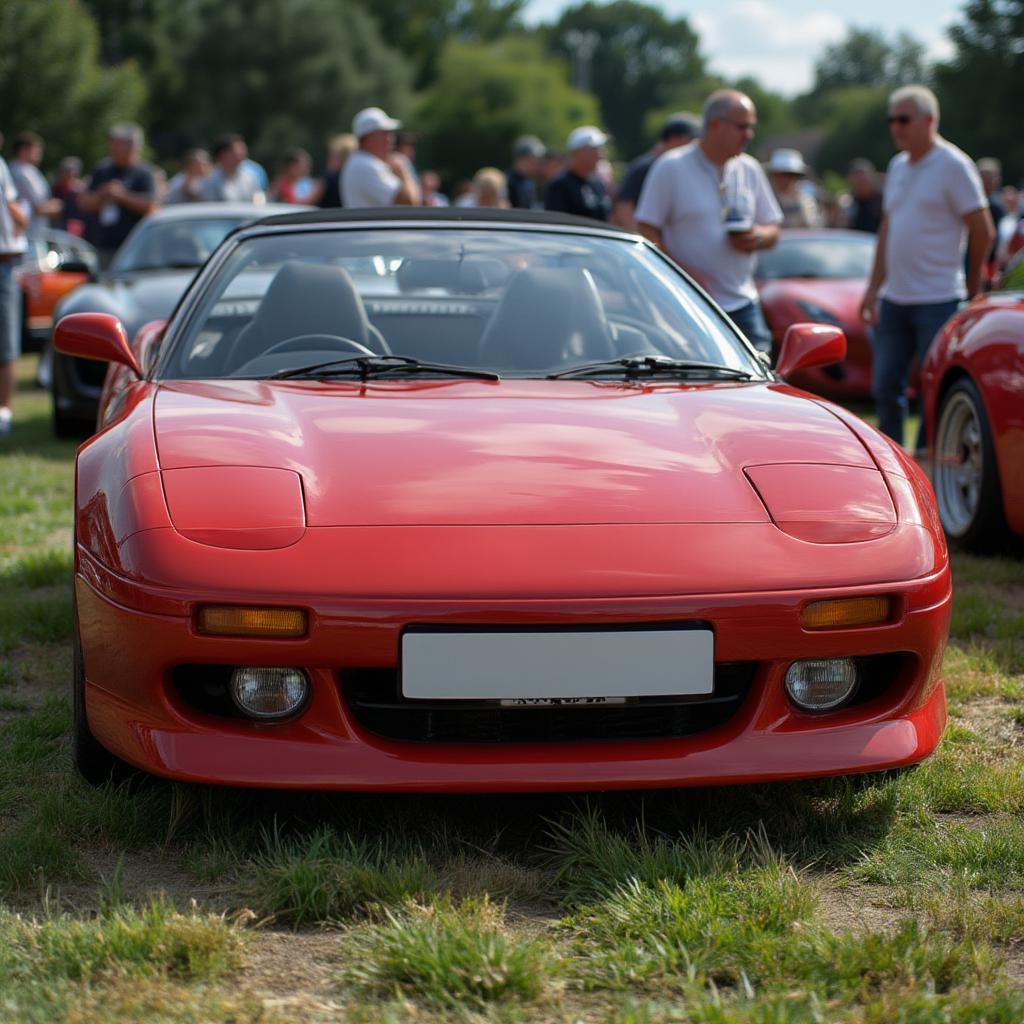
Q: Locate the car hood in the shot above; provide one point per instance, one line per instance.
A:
(515, 452)
(134, 298)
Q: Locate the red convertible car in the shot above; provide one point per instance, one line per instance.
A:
(821, 276)
(973, 383)
(487, 500)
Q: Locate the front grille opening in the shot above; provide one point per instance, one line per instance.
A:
(881, 674)
(374, 698)
(205, 688)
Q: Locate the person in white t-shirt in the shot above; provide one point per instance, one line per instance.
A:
(710, 207)
(376, 174)
(13, 221)
(933, 202)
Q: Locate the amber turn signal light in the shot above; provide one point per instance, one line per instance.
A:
(847, 611)
(233, 620)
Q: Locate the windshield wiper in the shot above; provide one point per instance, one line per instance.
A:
(650, 366)
(365, 367)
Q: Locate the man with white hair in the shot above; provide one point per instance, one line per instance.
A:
(710, 207)
(376, 174)
(933, 201)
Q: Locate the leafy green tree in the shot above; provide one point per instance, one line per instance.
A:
(633, 58)
(855, 126)
(155, 34)
(288, 72)
(486, 95)
(980, 88)
(51, 81)
(420, 28)
(864, 58)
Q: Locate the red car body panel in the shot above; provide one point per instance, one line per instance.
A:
(842, 297)
(379, 506)
(985, 342)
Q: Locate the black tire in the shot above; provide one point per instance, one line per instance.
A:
(965, 475)
(71, 428)
(92, 760)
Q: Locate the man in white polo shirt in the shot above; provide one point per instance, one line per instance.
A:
(710, 207)
(933, 200)
(376, 174)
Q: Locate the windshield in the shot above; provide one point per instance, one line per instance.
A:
(174, 242)
(519, 303)
(845, 256)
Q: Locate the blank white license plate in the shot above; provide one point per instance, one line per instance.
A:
(514, 665)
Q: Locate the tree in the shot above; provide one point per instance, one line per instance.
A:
(632, 58)
(155, 34)
(854, 124)
(51, 81)
(866, 57)
(287, 72)
(420, 28)
(486, 95)
(979, 89)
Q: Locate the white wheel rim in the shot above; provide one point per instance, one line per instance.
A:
(959, 464)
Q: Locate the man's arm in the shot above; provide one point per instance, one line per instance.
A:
(140, 203)
(869, 304)
(18, 214)
(760, 236)
(981, 233)
(408, 193)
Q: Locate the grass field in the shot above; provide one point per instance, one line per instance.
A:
(895, 900)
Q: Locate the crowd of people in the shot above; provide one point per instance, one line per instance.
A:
(943, 222)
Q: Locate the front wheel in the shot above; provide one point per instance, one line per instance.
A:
(94, 762)
(964, 471)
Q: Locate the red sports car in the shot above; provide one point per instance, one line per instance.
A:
(488, 500)
(821, 276)
(973, 382)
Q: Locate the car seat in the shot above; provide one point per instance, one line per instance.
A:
(548, 318)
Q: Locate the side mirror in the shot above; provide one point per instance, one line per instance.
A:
(95, 336)
(807, 345)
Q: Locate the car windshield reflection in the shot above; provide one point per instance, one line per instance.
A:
(517, 303)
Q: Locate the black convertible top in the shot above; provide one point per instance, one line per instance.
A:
(428, 214)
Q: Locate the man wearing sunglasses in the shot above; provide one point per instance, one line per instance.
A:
(933, 202)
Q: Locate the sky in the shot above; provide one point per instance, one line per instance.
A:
(778, 41)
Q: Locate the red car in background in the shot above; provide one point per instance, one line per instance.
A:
(973, 384)
(820, 276)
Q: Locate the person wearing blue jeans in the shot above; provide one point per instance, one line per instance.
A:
(13, 220)
(750, 320)
(933, 203)
(901, 338)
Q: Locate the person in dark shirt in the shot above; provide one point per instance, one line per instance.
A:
(527, 154)
(865, 212)
(679, 130)
(120, 193)
(578, 189)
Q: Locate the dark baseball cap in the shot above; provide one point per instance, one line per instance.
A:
(681, 123)
(528, 145)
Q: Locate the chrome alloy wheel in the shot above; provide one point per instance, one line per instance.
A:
(959, 463)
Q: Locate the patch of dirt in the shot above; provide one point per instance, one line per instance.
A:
(38, 672)
(859, 908)
(284, 967)
(987, 717)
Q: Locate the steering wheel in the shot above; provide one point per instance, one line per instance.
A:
(311, 341)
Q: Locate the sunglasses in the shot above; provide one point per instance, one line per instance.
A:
(900, 118)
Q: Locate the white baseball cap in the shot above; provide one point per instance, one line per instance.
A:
(373, 119)
(585, 135)
(786, 161)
